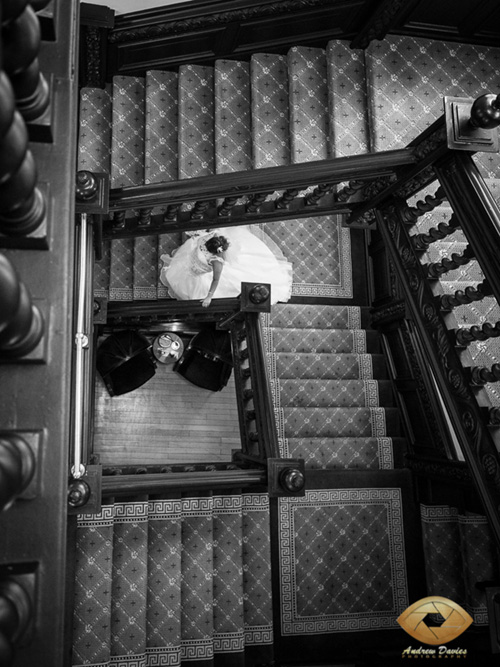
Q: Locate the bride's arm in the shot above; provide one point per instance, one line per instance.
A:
(217, 271)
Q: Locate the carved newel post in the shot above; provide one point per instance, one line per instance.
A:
(485, 112)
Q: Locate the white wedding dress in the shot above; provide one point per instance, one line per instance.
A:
(252, 256)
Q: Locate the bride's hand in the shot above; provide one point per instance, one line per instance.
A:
(206, 301)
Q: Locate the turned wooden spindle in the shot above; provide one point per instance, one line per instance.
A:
(485, 112)
(17, 466)
(21, 323)
(21, 38)
(16, 611)
(22, 206)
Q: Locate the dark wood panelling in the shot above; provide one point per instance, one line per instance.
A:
(199, 32)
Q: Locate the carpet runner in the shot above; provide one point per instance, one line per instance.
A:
(174, 581)
(460, 553)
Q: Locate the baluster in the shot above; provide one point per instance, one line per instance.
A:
(118, 219)
(227, 205)
(422, 241)
(16, 611)
(21, 323)
(250, 415)
(436, 269)
(429, 203)
(171, 212)
(349, 190)
(464, 297)
(491, 416)
(480, 375)
(464, 337)
(199, 209)
(287, 197)
(144, 217)
(17, 467)
(255, 202)
(319, 191)
(22, 206)
(21, 38)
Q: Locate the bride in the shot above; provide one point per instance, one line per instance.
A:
(210, 263)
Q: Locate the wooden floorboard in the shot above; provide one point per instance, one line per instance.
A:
(167, 420)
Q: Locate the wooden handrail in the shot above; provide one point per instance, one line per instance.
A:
(123, 485)
(359, 167)
(262, 397)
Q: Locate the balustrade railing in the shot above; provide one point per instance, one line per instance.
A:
(458, 389)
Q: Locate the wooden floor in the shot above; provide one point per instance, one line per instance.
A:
(167, 420)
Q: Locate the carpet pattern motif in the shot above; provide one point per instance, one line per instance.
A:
(333, 404)
(408, 78)
(361, 542)
(173, 581)
(459, 552)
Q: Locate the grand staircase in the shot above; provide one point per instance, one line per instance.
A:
(139, 599)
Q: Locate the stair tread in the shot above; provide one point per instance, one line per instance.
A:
(293, 339)
(335, 393)
(361, 453)
(308, 92)
(337, 422)
(307, 316)
(309, 365)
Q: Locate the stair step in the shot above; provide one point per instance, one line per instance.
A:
(180, 577)
(270, 110)
(308, 92)
(306, 316)
(349, 129)
(310, 366)
(127, 141)
(233, 121)
(347, 453)
(293, 339)
(340, 422)
(94, 139)
(161, 127)
(196, 121)
(334, 393)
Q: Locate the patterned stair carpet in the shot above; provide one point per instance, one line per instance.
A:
(174, 581)
(460, 553)
(333, 402)
(342, 551)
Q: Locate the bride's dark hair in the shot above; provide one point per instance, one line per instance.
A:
(216, 242)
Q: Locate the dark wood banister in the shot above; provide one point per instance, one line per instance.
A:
(479, 217)
(124, 485)
(262, 397)
(359, 167)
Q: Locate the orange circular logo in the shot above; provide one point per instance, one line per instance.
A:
(417, 621)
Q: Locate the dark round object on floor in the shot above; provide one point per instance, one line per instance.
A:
(124, 361)
(207, 361)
